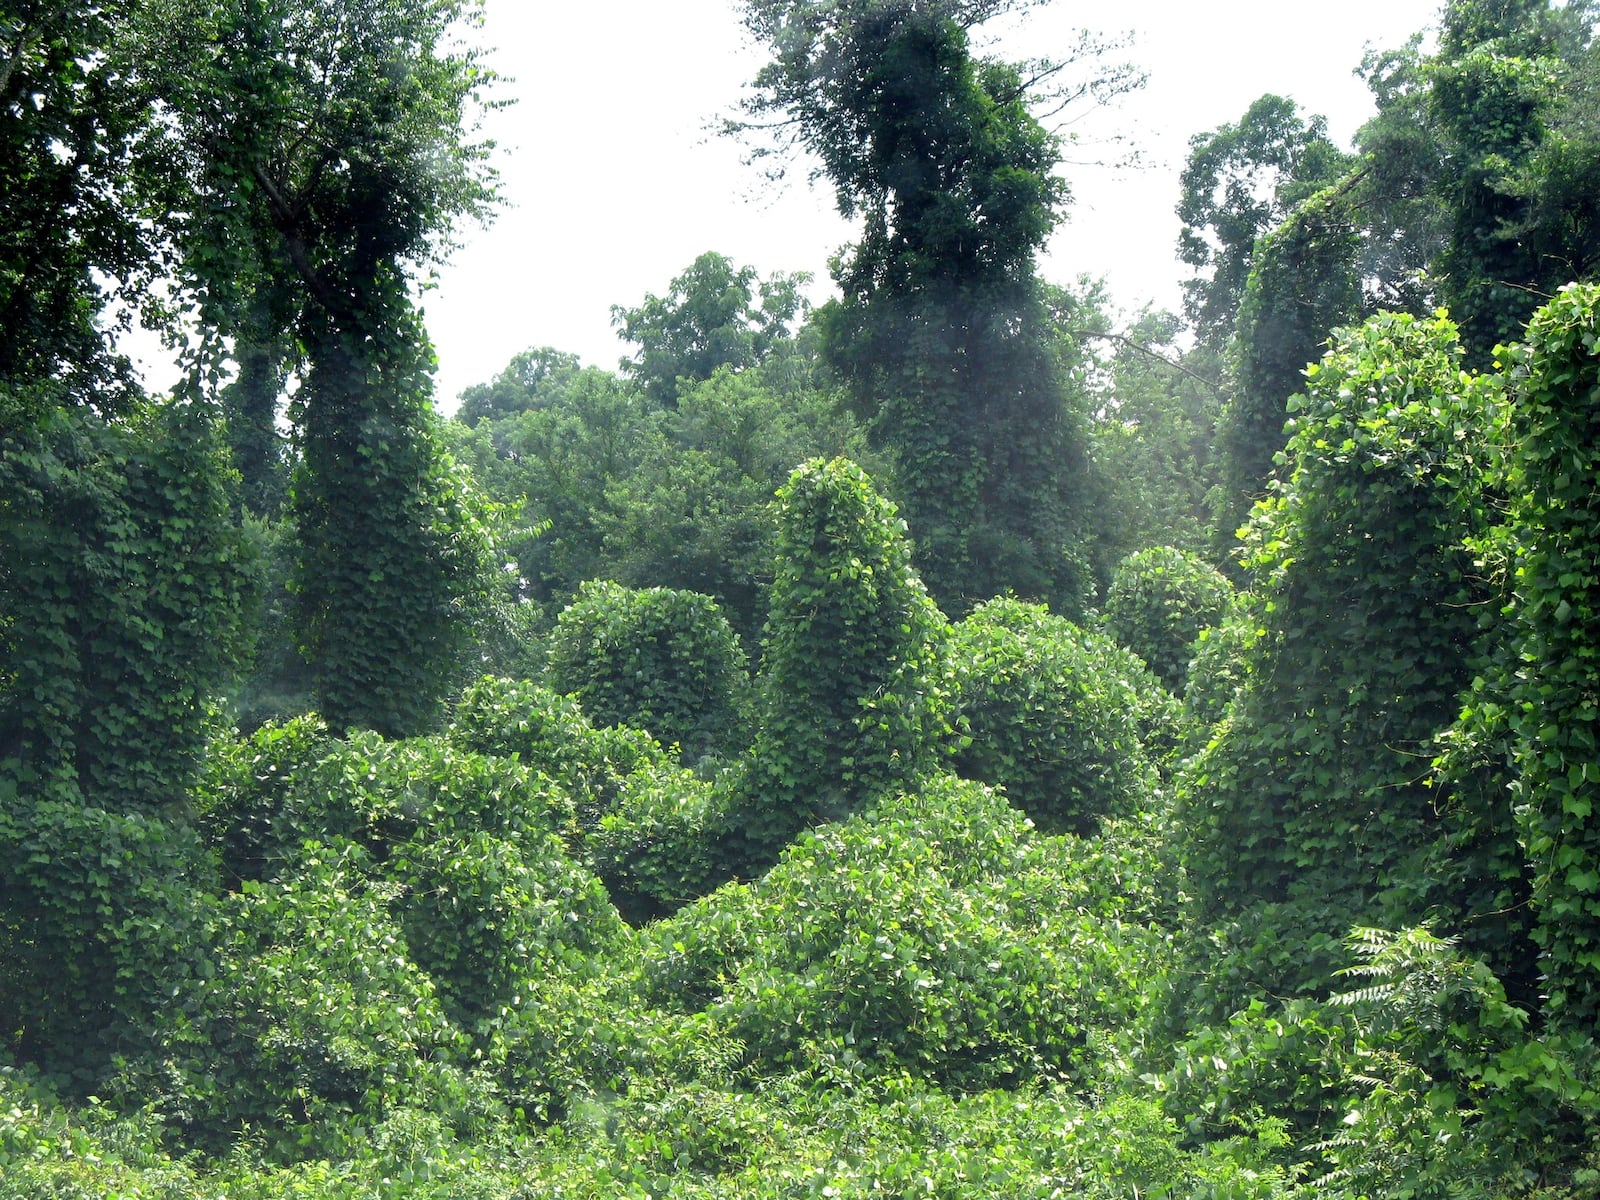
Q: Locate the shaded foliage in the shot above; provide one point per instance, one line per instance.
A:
(1161, 601)
(660, 660)
(1049, 713)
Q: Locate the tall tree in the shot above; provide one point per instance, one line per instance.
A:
(714, 315)
(329, 143)
(1484, 161)
(74, 135)
(1305, 281)
(1154, 431)
(1240, 181)
(533, 379)
(942, 334)
(1497, 92)
(1554, 701)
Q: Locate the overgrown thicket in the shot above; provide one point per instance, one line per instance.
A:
(746, 870)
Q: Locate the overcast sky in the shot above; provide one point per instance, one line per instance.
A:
(613, 184)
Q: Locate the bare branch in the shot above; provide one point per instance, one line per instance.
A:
(1123, 340)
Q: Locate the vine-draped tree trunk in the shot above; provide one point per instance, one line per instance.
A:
(327, 155)
(941, 334)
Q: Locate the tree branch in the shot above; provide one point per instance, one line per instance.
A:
(1124, 340)
(30, 35)
(284, 218)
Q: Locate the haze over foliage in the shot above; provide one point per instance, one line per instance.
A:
(951, 742)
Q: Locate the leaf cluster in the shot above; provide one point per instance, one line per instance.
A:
(657, 659)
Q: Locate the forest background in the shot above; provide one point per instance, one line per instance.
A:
(948, 739)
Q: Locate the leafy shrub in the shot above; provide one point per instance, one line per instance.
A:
(1160, 601)
(903, 1138)
(584, 1039)
(47, 1149)
(1050, 713)
(245, 798)
(1421, 1081)
(264, 795)
(317, 1012)
(484, 917)
(657, 659)
(1435, 1029)
(664, 844)
(655, 833)
(549, 732)
(853, 703)
(932, 937)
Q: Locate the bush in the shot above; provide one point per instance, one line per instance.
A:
(1051, 714)
(318, 1013)
(657, 659)
(484, 917)
(933, 936)
(549, 733)
(246, 801)
(664, 844)
(1160, 601)
(853, 702)
(655, 833)
(264, 795)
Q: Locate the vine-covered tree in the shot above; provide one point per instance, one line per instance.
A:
(941, 331)
(854, 703)
(1484, 164)
(1554, 705)
(328, 144)
(1304, 283)
(1311, 809)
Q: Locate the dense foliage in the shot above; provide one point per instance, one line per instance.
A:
(1160, 601)
(748, 872)
(1051, 714)
(1556, 521)
(660, 660)
(606, 483)
(125, 589)
(1313, 797)
(853, 704)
